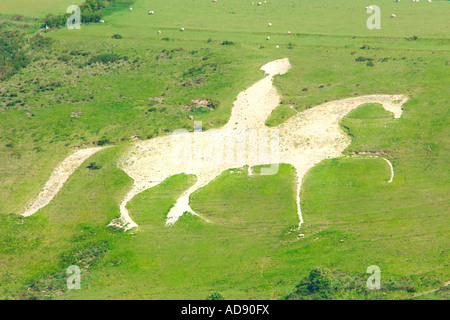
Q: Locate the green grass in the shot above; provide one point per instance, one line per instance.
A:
(353, 217)
(36, 8)
(441, 294)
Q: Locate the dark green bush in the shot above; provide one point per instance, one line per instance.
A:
(102, 142)
(227, 43)
(362, 59)
(215, 296)
(93, 166)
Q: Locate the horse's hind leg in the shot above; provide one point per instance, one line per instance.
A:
(125, 220)
(299, 181)
(182, 204)
(301, 170)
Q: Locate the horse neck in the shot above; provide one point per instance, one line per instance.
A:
(254, 105)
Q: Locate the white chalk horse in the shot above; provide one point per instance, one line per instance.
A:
(303, 141)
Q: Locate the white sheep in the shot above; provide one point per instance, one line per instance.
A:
(393, 16)
(182, 29)
(131, 9)
(268, 38)
(269, 24)
(151, 12)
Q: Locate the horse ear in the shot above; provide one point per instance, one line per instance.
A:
(276, 67)
(395, 105)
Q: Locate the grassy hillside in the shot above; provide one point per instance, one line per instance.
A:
(36, 8)
(84, 87)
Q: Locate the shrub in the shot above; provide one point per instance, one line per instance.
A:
(213, 104)
(12, 58)
(361, 59)
(116, 36)
(228, 43)
(319, 280)
(93, 166)
(215, 296)
(320, 284)
(102, 142)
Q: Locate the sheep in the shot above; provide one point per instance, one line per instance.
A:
(269, 24)
(393, 16)
(151, 12)
(277, 46)
(259, 3)
(131, 9)
(159, 32)
(288, 32)
(182, 29)
(268, 38)
(102, 21)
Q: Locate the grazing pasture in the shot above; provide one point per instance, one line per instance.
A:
(36, 8)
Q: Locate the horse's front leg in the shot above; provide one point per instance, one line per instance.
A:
(182, 203)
